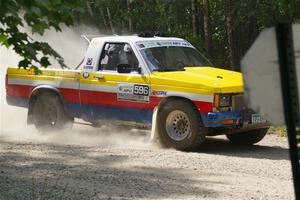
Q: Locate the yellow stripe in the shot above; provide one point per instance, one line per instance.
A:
(45, 72)
(42, 78)
(182, 89)
(113, 79)
(96, 82)
(73, 76)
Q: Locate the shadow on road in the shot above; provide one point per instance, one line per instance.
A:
(224, 147)
(49, 171)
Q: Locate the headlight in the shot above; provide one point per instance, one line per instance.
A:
(222, 100)
(225, 100)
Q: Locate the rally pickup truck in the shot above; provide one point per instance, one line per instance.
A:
(161, 82)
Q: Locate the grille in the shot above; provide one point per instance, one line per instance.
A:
(238, 102)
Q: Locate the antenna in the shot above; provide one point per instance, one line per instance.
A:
(88, 38)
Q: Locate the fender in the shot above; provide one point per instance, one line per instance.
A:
(47, 87)
(33, 96)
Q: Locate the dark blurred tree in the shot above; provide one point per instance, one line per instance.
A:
(38, 15)
(207, 28)
(222, 30)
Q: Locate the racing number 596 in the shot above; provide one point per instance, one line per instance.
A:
(141, 90)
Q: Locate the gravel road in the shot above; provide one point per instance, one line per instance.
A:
(90, 163)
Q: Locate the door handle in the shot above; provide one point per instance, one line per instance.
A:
(99, 76)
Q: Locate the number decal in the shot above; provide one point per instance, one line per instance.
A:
(133, 92)
(141, 90)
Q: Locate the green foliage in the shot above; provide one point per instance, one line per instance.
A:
(133, 16)
(39, 15)
(278, 130)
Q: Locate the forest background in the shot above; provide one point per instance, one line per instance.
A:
(222, 29)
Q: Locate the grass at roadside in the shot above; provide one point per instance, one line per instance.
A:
(278, 130)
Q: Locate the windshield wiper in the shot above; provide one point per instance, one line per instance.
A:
(168, 69)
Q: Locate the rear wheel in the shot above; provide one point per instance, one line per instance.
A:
(49, 113)
(248, 138)
(179, 125)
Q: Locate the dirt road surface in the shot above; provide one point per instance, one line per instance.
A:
(91, 163)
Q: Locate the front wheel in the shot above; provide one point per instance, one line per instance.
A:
(49, 113)
(247, 138)
(179, 125)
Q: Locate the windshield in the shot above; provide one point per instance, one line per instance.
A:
(172, 58)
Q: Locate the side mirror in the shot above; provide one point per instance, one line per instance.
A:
(126, 68)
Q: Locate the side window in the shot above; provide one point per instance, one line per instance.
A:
(114, 54)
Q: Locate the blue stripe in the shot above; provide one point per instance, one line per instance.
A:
(96, 112)
(17, 101)
(210, 119)
(110, 112)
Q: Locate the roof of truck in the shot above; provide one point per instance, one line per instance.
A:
(134, 38)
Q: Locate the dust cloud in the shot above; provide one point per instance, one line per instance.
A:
(13, 125)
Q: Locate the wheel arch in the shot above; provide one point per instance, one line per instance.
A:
(162, 103)
(34, 95)
(170, 98)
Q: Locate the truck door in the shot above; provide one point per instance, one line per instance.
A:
(108, 94)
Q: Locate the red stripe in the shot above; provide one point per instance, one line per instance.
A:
(22, 91)
(110, 99)
(70, 95)
(99, 98)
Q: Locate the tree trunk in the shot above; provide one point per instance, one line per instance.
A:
(194, 19)
(129, 17)
(200, 22)
(104, 20)
(110, 21)
(207, 28)
(230, 34)
(230, 41)
(89, 8)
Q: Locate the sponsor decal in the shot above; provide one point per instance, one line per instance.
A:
(86, 75)
(88, 67)
(141, 46)
(164, 43)
(89, 61)
(159, 93)
(125, 89)
(133, 92)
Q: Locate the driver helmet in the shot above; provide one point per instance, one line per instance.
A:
(127, 48)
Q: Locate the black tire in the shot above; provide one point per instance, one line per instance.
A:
(186, 125)
(49, 113)
(248, 138)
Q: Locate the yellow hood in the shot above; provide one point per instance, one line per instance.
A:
(207, 79)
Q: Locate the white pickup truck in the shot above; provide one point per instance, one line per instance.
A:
(160, 81)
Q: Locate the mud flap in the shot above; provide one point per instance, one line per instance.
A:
(154, 133)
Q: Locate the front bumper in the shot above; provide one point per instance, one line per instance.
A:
(237, 119)
(249, 127)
